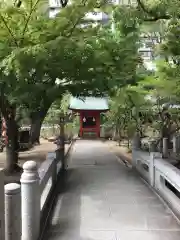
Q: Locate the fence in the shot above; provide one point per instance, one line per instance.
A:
(160, 174)
(25, 204)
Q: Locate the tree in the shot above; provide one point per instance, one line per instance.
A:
(102, 64)
(42, 52)
(129, 111)
(22, 29)
(160, 88)
(155, 10)
(59, 107)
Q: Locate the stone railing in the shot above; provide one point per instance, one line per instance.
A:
(141, 160)
(26, 205)
(163, 177)
(167, 184)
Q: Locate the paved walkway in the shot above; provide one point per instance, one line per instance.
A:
(105, 200)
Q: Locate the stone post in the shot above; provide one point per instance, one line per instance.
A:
(178, 143)
(2, 228)
(30, 198)
(60, 151)
(12, 211)
(136, 144)
(165, 147)
(54, 172)
(152, 150)
(175, 144)
(62, 146)
(153, 156)
(151, 168)
(152, 147)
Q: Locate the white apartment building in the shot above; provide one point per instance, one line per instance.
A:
(55, 6)
(147, 43)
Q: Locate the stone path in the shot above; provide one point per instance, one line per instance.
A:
(120, 151)
(104, 200)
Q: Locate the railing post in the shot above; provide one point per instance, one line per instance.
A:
(178, 143)
(151, 168)
(54, 172)
(60, 151)
(165, 147)
(12, 211)
(136, 144)
(153, 156)
(30, 198)
(175, 144)
(2, 228)
(152, 147)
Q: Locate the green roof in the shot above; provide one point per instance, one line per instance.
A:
(89, 103)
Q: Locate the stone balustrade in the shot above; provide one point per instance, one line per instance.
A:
(22, 205)
(163, 177)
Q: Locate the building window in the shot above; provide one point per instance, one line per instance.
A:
(149, 44)
(54, 3)
(145, 53)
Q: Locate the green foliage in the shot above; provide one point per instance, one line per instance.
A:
(58, 108)
(92, 60)
(129, 110)
(151, 102)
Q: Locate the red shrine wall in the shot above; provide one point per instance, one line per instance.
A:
(96, 128)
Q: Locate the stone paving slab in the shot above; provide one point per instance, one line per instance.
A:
(105, 200)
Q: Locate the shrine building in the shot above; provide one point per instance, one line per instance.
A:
(89, 110)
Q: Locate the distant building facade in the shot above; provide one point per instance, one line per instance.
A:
(147, 43)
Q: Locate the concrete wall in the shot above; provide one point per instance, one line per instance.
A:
(141, 161)
(161, 175)
(165, 173)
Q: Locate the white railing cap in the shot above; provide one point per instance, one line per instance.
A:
(30, 172)
(12, 188)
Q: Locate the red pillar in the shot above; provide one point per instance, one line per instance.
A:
(81, 124)
(98, 124)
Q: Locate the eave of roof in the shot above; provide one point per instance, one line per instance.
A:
(89, 103)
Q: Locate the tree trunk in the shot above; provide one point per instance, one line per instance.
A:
(36, 124)
(119, 136)
(37, 119)
(128, 142)
(12, 146)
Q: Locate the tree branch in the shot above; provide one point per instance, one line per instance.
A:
(18, 3)
(77, 21)
(28, 19)
(145, 9)
(9, 30)
(83, 4)
(154, 16)
(64, 3)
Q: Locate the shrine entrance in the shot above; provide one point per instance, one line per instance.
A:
(89, 121)
(89, 110)
(90, 124)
